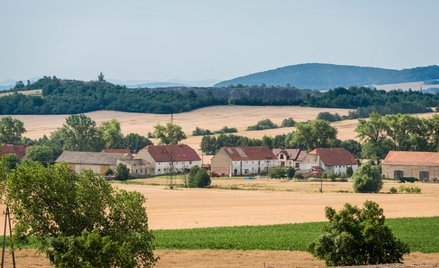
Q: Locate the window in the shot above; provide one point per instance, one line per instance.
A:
(424, 175)
(282, 156)
(398, 174)
(190, 162)
(297, 165)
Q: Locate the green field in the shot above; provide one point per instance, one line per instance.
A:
(422, 234)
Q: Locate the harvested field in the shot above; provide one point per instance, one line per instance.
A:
(192, 208)
(226, 258)
(25, 92)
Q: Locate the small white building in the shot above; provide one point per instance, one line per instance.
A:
(166, 159)
(333, 160)
(236, 161)
(290, 157)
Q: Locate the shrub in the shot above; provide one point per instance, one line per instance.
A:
(201, 132)
(410, 190)
(263, 124)
(291, 172)
(198, 178)
(226, 129)
(349, 172)
(109, 172)
(327, 116)
(393, 190)
(299, 176)
(76, 218)
(289, 122)
(367, 179)
(357, 236)
(278, 173)
(122, 172)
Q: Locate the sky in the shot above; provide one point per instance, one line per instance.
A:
(159, 40)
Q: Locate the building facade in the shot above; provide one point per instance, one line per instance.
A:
(290, 157)
(238, 161)
(167, 159)
(421, 165)
(332, 160)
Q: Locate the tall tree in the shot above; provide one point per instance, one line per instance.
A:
(135, 142)
(111, 133)
(40, 153)
(169, 133)
(314, 134)
(372, 132)
(11, 130)
(80, 133)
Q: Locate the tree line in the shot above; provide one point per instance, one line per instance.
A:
(60, 96)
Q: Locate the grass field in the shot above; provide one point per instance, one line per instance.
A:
(420, 233)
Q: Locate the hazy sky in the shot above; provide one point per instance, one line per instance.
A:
(201, 39)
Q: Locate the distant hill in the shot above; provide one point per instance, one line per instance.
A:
(326, 76)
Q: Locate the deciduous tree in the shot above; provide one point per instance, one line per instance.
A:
(169, 133)
(11, 130)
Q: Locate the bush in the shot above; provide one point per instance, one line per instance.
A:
(349, 172)
(393, 190)
(299, 176)
(76, 218)
(109, 172)
(327, 116)
(122, 172)
(289, 122)
(357, 236)
(198, 178)
(226, 129)
(409, 190)
(291, 172)
(201, 132)
(278, 172)
(263, 124)
(367, 179)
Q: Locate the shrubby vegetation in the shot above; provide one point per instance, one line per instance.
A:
(329, 117)
(79, 220)
(11, 130)
(367, 179)
(288, 122)
(198, 178)
(314, 134)
(122, 172)
(358, 236)
(203, 132)
(263, 124)
(281, 172)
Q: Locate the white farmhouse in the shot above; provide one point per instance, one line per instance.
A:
(290, 157)
(235, 161)
(333, 160)
(164, 159)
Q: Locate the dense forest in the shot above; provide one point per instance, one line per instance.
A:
(326, 76)
(72, 96)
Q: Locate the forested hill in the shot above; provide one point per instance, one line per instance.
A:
(72, 96)
(326, 76)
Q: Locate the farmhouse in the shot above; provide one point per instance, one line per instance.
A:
(334, 160)
(290, 157)
(243, 160)
(421, 165)
(18, 150)
(97, 162)
(165, 159)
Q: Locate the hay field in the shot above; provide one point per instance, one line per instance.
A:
(25, 92)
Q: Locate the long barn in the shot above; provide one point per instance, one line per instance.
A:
(421, 165)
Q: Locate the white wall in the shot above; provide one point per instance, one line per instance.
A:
(253, 166)
(162, 168)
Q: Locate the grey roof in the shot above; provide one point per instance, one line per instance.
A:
(91, 158)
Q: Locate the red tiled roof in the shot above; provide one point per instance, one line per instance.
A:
(335, 156)
(291, 153)
(177, 152)
(404, 158)
(116, 151)
(249, 153)
(18, 150)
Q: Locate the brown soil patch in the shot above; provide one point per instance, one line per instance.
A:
(226, 258)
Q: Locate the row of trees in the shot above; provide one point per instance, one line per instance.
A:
(72, 96)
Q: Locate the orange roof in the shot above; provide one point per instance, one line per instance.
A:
(245, 153)
(174, 152)
(405, 158)
(18, 150)
(335, 156)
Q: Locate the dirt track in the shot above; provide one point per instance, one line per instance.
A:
(226, 258)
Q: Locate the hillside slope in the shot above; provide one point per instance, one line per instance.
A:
(327, 76)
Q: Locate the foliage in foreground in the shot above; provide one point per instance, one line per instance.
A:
(69, 213)
(356, 236)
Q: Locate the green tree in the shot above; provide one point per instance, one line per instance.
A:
(358, 236)
(372, 132)
(122, 172)
(11, 130)
(80, 133)
(135, 142)
(111, 133)
(209, 145)
(349, 171)
(263, 124)
(278, 172)
(40, 153)
(56, 206)
(353, 146)
(198, 178)
(329, 117)
(367, 179)
(314, 134)
(8, 162)
(288, 122)
(291, 172)
(169, 133)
